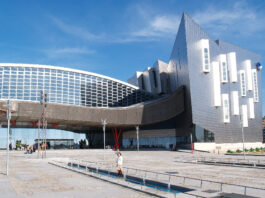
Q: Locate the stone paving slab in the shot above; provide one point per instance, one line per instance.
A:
(6, 189)
(30, 175)
(30, 178)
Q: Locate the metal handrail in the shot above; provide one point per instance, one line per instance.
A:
(224, 160)
(155, 187)
(190, 178)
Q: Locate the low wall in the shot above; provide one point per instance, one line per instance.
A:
(223, 148)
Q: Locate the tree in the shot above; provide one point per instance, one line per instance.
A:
(82, 144)
(18, 144)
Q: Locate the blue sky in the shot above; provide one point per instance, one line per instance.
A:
(118, 37)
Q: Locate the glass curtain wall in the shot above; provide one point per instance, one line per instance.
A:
(66, 87)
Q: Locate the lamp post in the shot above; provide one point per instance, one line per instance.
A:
(43, 120)
(191, 143)
(38, 138)
(104, 123)
(8, 115)
(243, 137)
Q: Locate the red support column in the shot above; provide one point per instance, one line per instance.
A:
(13, 123)
(118, 146)
(55, 124)
(116, 136)
(34, 124)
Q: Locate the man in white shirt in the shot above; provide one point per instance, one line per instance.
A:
(119, 164)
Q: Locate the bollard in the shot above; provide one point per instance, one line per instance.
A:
(168, 185)
(124, 176)
(126, 173)
(221, 188)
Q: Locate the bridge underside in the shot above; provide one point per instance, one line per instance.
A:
(77, 118)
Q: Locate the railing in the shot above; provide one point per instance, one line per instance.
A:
(237, 162)
(179, 180)
(234, 160)
(96, 170)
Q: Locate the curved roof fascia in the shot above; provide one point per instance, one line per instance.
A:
(143, 114)
(66, 69)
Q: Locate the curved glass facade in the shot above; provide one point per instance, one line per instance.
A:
(66, 86)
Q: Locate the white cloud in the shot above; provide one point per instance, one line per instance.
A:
(147, 25)
(159, 26)
(165, 23)
(73, 51)
(74, 30)
(61, 52)
(241, 19)
(148, 29)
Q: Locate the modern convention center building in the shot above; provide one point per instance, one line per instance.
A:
(209, 90)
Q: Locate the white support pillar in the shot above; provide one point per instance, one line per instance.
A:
(137, 136)
(104, 123)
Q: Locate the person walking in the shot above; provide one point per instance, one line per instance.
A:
(27, 149)
(119, 164)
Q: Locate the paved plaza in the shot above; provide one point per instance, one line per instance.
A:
(31, 177)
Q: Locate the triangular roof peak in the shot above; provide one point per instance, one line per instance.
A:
(160, 61)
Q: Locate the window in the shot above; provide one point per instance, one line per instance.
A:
(244, 116)
(243, 83)
(235, 103)
(231, 60)
(226, 116)
(251, 108)
(73, 90)
(203, 135)
(216, 84)
(247, 64)
(223, 64)
(142, 81)
(206, 58)
(205, 55)
(154, 77)
(255, 85)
